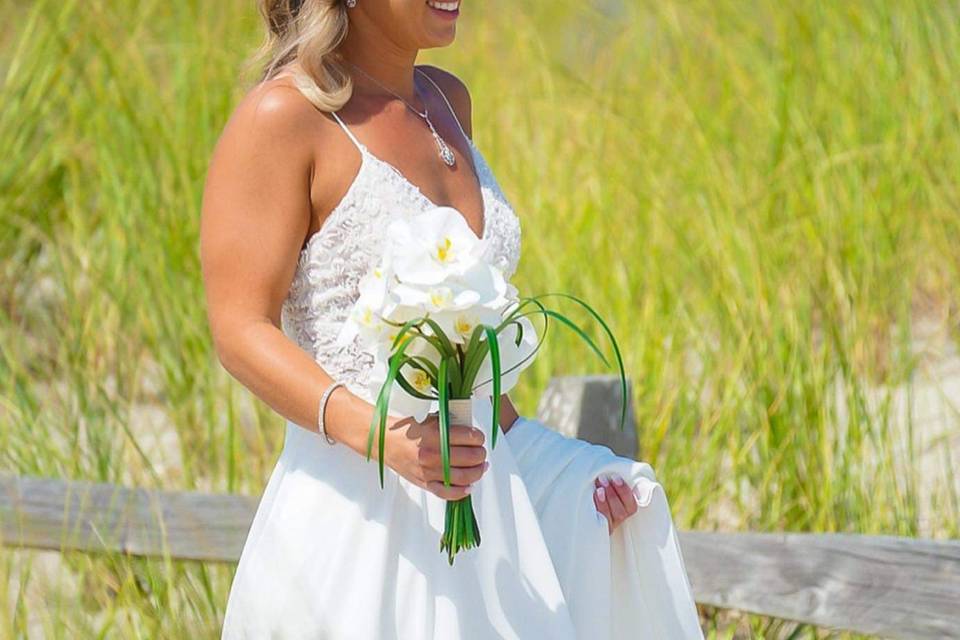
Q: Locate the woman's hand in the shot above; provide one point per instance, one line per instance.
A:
(614, 499)
(413, 451)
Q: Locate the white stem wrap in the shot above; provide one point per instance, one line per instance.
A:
(461, 411)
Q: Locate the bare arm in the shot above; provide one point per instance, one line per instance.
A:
(255, 215)
(256, 211)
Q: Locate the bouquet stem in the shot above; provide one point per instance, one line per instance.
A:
(461, 530)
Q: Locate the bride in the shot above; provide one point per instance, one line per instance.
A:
(342, 133)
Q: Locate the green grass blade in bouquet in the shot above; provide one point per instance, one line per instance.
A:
(548, 313)
(379, 422)
(443, 386)
(616, 350)
(461, 530)
(494, 347)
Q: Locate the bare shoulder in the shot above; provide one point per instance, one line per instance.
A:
(455, 90)
(256, 207)
(272, 111)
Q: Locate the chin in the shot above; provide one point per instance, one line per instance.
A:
(440, 28)
(436, 42)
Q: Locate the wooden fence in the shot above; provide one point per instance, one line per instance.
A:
(887, 586)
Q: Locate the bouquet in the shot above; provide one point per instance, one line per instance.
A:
(437, 315)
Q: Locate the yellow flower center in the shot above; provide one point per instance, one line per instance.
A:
(443, 250)
(440, 297)
(420, 381)
(463, 326)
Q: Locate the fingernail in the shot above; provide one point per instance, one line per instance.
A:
(601, 494)
(468, 488)
(604, 480)
(617, 480)
(486, 465)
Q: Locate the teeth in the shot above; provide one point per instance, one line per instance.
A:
(444, 6)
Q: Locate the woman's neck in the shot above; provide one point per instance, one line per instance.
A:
(390, 65)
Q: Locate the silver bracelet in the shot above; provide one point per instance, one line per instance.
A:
(323, 406)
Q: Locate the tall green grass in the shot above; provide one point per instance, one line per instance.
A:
(761, 197)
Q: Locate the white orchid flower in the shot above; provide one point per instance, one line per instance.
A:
(433, 265)
(436, 297)
(428, 247)
(366, 315)
(402, 403)
(458, 325)
(480, 285)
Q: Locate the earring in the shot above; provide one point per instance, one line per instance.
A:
(351, 3)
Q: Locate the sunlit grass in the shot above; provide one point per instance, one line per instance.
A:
(760, 197)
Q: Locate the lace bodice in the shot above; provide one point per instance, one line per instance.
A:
(349, 243)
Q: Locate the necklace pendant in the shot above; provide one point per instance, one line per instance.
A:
(445, 153)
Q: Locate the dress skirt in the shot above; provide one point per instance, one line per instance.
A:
(331, 555)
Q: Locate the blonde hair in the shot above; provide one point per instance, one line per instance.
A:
(303, 36)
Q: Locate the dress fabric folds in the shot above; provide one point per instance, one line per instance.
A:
(332, 555)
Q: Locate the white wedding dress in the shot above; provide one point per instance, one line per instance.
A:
(331, 555)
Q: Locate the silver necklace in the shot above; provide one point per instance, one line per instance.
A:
(444, 149)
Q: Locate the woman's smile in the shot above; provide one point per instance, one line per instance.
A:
(448, 10)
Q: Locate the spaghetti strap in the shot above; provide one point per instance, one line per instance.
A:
(348, 132)
(444, 96)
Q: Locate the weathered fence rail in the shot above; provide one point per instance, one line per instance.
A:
(880, 585)
(887, 586)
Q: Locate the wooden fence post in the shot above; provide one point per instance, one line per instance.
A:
(588, 407)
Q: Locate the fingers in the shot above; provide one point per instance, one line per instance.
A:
(460, 456)
(461, 481)
(459, 435)
(614, 499)
(603, 508)
(468, 459)
(467, 463)
(464, 435)
(458, 475)
(466, 448)
(626, 496)
(453, 492)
